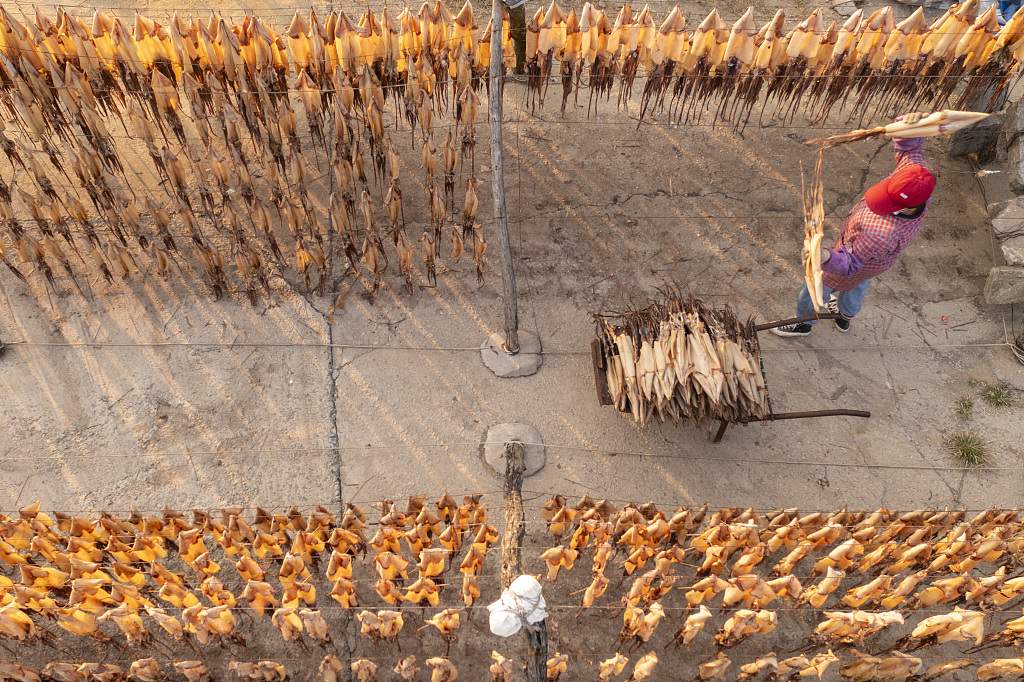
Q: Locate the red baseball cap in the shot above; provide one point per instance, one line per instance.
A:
(908, 187)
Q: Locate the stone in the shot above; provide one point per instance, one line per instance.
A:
(1013, 250)
(977, 139)
(993, 180)
(500, 435)
(996, 207)
(1011, 125)
(524, 363)
(1002, 147)
(1009, 222)
(1005, 284)
(1015, 162)
(984, 138)
(845, 9)
(1014, 118)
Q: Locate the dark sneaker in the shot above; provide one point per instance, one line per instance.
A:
(842, 323)
(802, 329)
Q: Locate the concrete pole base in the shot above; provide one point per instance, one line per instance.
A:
(500, 435)
(524, 363)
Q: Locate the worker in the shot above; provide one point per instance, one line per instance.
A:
(517, 30)
(872, 237)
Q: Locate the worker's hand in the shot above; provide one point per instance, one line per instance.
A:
(911, 118)
(825, 255)
(908, 144)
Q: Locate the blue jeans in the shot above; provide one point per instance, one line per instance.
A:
(850, 301)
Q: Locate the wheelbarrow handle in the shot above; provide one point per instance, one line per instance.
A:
(815, 413)
(797, 320)
(793, 415)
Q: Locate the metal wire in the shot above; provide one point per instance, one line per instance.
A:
(642, 455)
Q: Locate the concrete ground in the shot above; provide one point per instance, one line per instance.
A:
(150, 393)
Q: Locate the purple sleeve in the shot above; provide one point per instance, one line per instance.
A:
(907, 144)
(842, 263)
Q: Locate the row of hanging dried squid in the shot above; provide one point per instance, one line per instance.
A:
(222, 109)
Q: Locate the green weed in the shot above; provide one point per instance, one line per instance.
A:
(997, 395)
(968, 449)
(964, 406)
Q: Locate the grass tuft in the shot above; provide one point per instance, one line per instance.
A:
(968, 449)
(964, 406)
(997, 395)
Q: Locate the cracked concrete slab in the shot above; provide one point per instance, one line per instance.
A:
(404, 400)
(221, 403)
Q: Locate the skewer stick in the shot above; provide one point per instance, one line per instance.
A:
(938, 123)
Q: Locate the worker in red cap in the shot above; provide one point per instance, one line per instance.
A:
(872, 237)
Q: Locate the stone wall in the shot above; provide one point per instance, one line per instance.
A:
(1005, 283)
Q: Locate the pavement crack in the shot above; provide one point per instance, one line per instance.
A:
(332, 374)
(958, 495)
(619, 199)
(332, 397)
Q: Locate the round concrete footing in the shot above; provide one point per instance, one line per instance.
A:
(500, 435)
(524, 363)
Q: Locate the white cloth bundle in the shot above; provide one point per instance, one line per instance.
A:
(521, 604)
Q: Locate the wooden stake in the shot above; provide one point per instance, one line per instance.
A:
(515, 529)
(537, 661)
(512, 559)
(508, 275)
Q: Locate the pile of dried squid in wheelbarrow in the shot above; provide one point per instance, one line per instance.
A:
(680, 358)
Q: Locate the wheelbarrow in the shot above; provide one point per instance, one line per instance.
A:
(604, 396)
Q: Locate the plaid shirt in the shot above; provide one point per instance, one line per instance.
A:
(875, 240)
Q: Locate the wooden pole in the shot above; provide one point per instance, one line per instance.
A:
(515, 529)
(512, 557)
(537, 660)
(508, 275)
